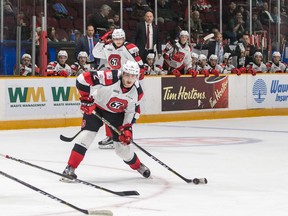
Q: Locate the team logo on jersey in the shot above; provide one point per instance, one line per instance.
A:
(117, 105)
(114, 60)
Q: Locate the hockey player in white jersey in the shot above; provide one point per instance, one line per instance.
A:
(214, 67)
(116, 51)
(227, 65)
(177, 55)
(203, 67)
(59, 67)
(257, 66)
(152, 68)
(81, 65)
(276, 66)
(115, 97)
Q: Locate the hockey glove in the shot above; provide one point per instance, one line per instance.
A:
(215, 72)
(126, 134)
(87, 105)
(251, 71)
(63, 73)
(236, 71)
(243, 70)
(193, 73)
(205, 72)
(176, 73)
(105, 37)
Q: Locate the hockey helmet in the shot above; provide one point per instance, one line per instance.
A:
(82, 54)
(202, 57)
(131, 67)
(63, 53)
(213, 57)
(258, 54)
(227, 55)
(150, 56)
(184, 33)
(194, 55)
(26, 55)
(276, 54)
(118, 33)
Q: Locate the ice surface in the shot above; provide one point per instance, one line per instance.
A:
(245, 161)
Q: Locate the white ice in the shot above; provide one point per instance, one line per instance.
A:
(245, 161)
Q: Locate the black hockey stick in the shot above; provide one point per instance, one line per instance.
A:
(85, 211)
(195, 180)
(119, 193)
(69, 139)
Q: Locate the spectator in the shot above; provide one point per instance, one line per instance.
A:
(51, 34)
(100, 18)
(165, 13)
(8, 8)
(264, 15)
(230, 13)
(276, 66)
(116, 21)
(244, 51)
(236, 28)
(244, 12)
(203, 5)
(146, 36)
(81, 65)
(274, 15)
(152, 68)
(196, 26)
(138, 10)
(256, 24)
(177, 55)
(86, 44)
(59, 67)
(78, 35)
(26, 66)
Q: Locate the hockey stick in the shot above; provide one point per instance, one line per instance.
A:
(85, 211)
(207, 37)
(119, 193)
(69, 139)
(195, 180)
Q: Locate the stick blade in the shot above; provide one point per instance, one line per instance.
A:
(66, 139)
(100, 212)
(128, 193)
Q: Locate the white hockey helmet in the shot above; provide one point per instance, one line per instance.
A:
(82, 54)
(63, 53)
(118, 33)
(213, 57)
(150, 56)
(258, 54)
(131, 67)
(194, 55)
(202, 57)
(184, 33)
(26, 55)
(276, 54)
(227, 55)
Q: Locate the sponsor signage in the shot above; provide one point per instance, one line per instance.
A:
(41, 98)
(187, 93)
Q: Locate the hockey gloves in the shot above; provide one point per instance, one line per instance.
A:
(105, 38)
(126, 134)
(205, 72)
(193, 73)
(87, 105)
(176, 73)
(236, 71)
(63, 73)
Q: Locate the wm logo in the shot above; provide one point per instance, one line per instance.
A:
(65, 94)
(26, 94)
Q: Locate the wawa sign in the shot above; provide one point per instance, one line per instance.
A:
(187, 93)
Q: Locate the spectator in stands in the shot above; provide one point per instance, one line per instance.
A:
(59, 67)
(274, 15)
(264, 15)
(8, 8)
(230, 13)
(152, 68)
(138, 10)
(81, 65)
(51, 34)
(196, 26)
(116, 21)
(244, 12)
(146, 36)
(236, 28)
(256, 24)
(78, 35)
(244, 51)
(26, 66)
(86, 44)
(165, 13)
(203, 5)
(100, 19)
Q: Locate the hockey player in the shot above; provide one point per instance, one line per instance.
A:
(276, 66)
(177, 55)
(114, 97)
(227, 65)
(59, 67)
(257, 66)
(152, 68)
(203, 67)
(81, 65)
(116, 51)
(26, 66)
(214, 68)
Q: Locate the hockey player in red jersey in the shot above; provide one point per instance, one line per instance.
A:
(116, 52)
(115, 97)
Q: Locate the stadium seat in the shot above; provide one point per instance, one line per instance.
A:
(66, 24)
(52, 22)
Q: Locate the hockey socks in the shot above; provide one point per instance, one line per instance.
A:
(76, 156)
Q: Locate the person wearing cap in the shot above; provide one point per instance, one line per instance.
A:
(81, 65)
(152, 68)
(276, 66)
(59, 67)
(177, 55)
(146, 37)
(257, 66)
(26, 66)
(113, 48)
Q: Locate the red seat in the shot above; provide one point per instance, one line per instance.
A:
(66, 24)
(52, 22)
(78, 24)
(170, 26)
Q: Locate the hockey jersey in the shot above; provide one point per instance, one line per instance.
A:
(280, 67)
(257, 67)
(27, 70)
(77, 69)
(226, 69)
(54, 69)
(107, 90)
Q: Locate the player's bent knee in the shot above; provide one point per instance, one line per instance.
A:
(123, 151)
(86, 138)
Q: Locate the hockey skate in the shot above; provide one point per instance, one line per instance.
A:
(144, 171)
(69, 174)
(106, 143)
